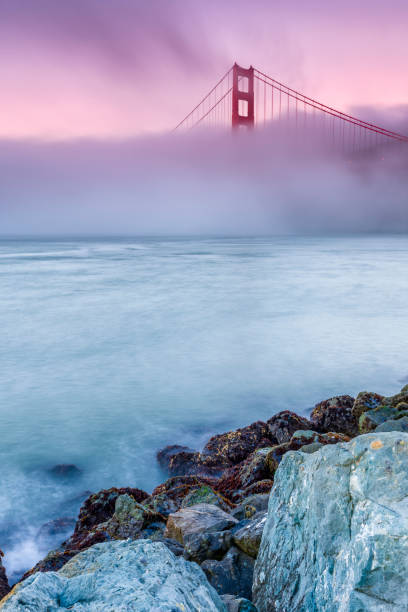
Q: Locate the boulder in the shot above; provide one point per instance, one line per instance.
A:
(232, 575)
(366, 401)
(336, 535)
(371, 409)
(4, 585)
(236, 480)
(399, 398)
(394, 425)
(260, 487)
(124, 518)
(283, 425)
(125, 575)
(232, 447)
(177, 491)
(129, 519)
(221, 452)
(205, 495)
(207, 545)
(196, 519)
(251, 505)
(371, 419)
(311, 448)
(179, 460)
(248, 537)
(335, 414)
(300, 440)
(99, 507)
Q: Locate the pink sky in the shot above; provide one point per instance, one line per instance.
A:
(104, 69)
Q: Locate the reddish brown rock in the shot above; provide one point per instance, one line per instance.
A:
(221, 452)
(335, 414)
(233, 447)
(236, 480)
(179, 460)
(100, 507)
(283, 425)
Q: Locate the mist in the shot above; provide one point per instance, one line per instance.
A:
(271, 181)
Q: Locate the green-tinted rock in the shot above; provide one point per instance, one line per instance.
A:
(204, 495)
(394, 425)
(394, 400)
(336, 536)
(372, 409)
(372, 418)
(117, 576)
(366, 401)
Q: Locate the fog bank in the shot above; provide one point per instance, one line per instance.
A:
(201, 183)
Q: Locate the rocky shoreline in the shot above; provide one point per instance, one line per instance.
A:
(213, 511)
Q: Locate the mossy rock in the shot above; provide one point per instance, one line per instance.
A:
(204, 495)
(371, 419)
(365, 401)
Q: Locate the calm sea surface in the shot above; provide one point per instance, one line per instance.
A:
(111, 349)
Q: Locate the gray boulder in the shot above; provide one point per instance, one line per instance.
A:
(212, 545)
(251, 505)
(248, 538)
(140, 576)
(232, 575)
(196, 519)
(336, 536)
(394, 425)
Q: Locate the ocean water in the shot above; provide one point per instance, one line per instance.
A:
(112, 348)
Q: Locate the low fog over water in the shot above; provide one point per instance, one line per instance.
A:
(271, 181)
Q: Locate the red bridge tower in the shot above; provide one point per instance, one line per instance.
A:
(243, 110)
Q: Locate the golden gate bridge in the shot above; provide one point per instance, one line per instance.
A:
(245, 98)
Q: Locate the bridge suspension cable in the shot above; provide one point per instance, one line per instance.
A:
(250, 97)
